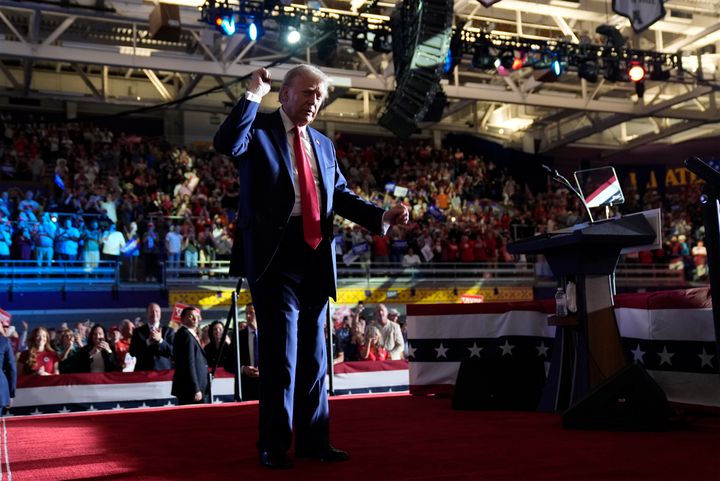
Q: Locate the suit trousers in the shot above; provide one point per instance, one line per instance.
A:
(291, 308)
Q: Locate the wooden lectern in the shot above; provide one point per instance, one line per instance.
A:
(587, 349)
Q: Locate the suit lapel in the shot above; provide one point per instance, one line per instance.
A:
(322, 168)
(281, 142)
(195, 341)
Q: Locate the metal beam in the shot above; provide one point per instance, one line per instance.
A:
(190, 86)
(12, 28)
(159, 86)
(59, 30)
(8, 74)
(225, 88)
(87, 82)
(698, 40)
(647, 139)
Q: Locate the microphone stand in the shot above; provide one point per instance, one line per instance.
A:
(560, 179)
(330, 352)
(232, 318)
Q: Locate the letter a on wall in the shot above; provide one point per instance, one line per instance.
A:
(642, 13)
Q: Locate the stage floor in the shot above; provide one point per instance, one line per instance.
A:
(389, 437)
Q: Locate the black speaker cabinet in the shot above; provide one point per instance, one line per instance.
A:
(165, 22)
(504, 383)
(630, 400)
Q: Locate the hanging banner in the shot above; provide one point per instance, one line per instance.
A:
(641, 13)
(488, 3)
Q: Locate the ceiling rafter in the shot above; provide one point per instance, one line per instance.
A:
(38, 35)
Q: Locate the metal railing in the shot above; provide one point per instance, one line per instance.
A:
(76, 273)
(58, 272)
(483, 273)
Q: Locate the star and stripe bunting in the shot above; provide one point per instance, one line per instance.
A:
(682, 356)
(69, 393)
(671, 334)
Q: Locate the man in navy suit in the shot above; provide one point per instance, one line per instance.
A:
(191, 380)
(152, 343)
(249, 354)
(290, 189)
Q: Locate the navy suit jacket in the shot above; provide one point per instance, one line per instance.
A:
(8, 378)
(258, 143)
(250, 385)
(191, 368)
(153, 356)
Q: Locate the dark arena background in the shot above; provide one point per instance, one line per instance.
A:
(554, 286)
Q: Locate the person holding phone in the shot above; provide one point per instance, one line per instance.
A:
(98, 355)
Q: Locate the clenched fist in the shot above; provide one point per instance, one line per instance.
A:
(260, 82)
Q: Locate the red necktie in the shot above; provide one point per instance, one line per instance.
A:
(308, 195)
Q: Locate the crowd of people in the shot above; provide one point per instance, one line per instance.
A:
(148, 344)
(81, 193)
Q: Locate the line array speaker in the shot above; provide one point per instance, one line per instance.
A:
(422, 30)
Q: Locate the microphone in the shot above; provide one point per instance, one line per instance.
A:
(560, 179)
(550, 171)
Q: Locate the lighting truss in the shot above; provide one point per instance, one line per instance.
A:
(346, 25)
(569, 54)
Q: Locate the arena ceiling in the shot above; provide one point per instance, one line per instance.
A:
(93, 56)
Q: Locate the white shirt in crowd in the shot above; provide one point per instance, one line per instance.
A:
(113, 243)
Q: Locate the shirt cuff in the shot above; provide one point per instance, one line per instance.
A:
(252, 97)
(385, 225)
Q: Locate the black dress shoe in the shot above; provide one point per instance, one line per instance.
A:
(275, 460)
(327, 454)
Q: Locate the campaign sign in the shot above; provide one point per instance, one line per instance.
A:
(177, 310)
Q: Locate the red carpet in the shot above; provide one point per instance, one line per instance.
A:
(391, 437)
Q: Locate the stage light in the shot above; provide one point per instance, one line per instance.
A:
(225, 21)
(611, 69)
(501, 69)
(382, 42)
(556, 67)
(636, 72)
(482, 58)
(455, 52)
(549, 74)
(657, 72)
(292, 36)
(517, 63)
(588, 70)
(252, 32)
(359, 42)
(506, 59)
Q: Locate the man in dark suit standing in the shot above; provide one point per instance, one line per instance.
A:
(249, 356)
(152, 344)
(191, 380)
(290, 189)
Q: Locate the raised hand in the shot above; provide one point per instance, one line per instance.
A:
(399, 214)
(260, 82)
